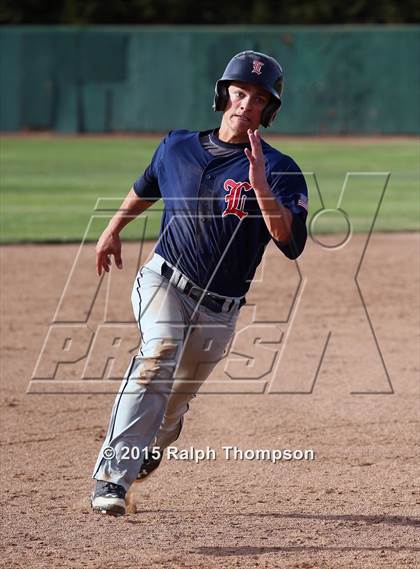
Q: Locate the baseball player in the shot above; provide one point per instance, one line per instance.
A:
(226, 194)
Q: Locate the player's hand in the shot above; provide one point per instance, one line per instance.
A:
(109, 243)
(257, 177)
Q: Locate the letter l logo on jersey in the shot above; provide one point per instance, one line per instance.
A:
(234, 199)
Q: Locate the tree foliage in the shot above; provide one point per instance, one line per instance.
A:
(210, 12)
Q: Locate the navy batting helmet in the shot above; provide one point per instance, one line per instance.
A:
(258, 69)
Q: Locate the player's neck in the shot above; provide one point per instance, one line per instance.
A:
(226, 134)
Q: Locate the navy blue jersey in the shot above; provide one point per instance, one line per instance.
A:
(212, 228)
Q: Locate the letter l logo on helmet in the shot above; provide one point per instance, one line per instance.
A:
(256, 66)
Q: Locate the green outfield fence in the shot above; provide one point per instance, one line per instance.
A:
(338, 80)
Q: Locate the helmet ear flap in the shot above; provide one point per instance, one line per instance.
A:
(270, 112)
(221, 95)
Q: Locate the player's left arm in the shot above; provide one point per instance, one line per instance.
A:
(278, 218)
(287, 228)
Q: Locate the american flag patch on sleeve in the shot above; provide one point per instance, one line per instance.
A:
(303, 202)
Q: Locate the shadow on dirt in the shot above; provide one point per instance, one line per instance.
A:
(244, 550)
(370, 520)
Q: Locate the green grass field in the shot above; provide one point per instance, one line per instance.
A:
(51, 185)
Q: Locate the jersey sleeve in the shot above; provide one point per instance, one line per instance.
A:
(147, 185)
(289, 186)
(296, 244)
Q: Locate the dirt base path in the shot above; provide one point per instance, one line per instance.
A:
(354, 505)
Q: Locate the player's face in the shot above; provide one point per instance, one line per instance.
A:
(244, 107)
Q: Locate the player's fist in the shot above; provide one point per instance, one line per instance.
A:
(109, 243)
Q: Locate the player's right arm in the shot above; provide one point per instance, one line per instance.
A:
(109, 243)
(144, 193)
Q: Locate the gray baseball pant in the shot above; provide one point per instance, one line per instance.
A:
(181, 342)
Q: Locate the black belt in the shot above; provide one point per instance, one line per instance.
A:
(207, 299)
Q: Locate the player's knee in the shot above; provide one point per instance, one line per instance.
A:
(158, 365)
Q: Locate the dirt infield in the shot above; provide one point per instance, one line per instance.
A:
(354, 505)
